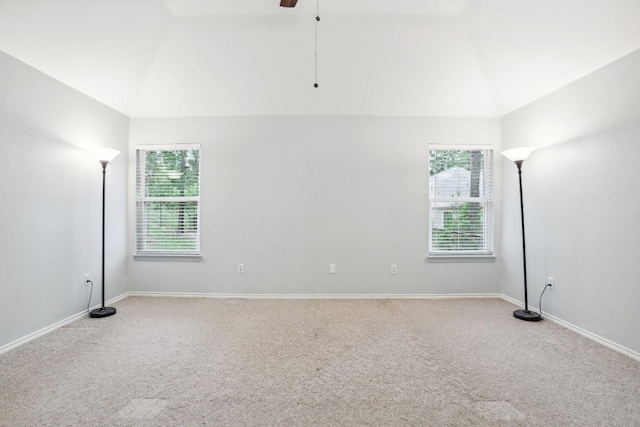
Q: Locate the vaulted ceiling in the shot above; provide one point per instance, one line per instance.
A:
(478, 58)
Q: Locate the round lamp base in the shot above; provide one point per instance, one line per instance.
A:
(102, 312)
(527, 315)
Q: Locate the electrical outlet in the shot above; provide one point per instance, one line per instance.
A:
(240, 268)
(550, 281)
(87, 279)
(394, 269)
(332, 269)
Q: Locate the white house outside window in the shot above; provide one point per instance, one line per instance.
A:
(168, 200)
(460, 200)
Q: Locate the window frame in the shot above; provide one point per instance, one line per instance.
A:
(488, 205)
(176, 255)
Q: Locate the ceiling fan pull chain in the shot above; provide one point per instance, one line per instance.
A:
(315, 84)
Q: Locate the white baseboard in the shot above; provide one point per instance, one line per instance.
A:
(310, 296)
(37, 334)
(597, 338)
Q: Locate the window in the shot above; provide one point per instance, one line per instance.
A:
(461, 201)
(168, 200)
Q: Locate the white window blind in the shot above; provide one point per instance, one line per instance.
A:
(461, 201)
(168, 200)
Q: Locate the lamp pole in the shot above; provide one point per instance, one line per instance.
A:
(105, 157)
(518, 156)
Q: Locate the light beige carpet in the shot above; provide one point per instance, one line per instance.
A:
(211, 362)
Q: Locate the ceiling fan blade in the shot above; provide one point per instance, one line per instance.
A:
(288, 3)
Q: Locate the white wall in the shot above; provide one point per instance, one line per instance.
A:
(50, 192)
(287, 196)
(582, 202)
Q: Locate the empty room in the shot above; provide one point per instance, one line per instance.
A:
(319, 212)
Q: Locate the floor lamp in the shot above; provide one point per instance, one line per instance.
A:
(518, 156)
(105, 156)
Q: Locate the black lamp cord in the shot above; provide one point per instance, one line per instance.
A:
(540, 302)
(90, 294)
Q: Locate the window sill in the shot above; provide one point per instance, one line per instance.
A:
(168, 257)
(460, 258)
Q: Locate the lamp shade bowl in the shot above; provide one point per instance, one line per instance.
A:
(518, 154)
(104, 154)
